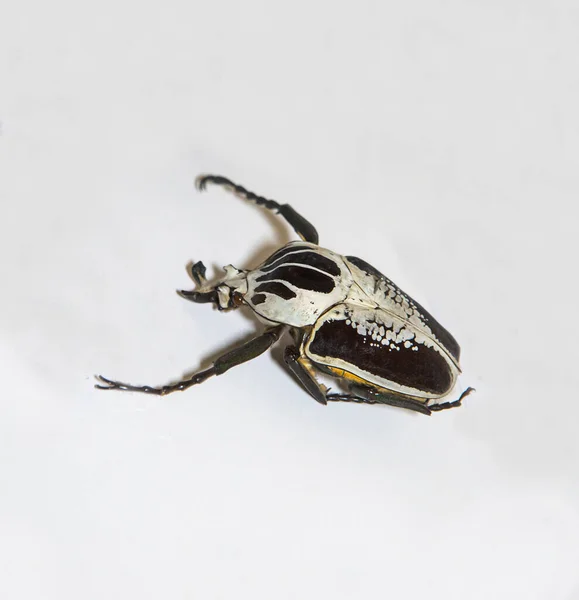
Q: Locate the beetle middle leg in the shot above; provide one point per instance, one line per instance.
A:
(300, 225)
(305, 375)
(317, 390)
(368, 395)
(237, 356)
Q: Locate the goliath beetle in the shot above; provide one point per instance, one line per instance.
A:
(347, 320)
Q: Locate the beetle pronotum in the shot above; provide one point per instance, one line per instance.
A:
(347, 320)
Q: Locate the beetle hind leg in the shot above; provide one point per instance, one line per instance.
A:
(300, 225)
(370, 396)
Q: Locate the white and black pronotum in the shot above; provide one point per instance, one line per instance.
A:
(347, 320)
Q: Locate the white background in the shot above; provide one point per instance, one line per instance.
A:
(437, 140)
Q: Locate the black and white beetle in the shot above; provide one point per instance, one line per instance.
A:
(347, 321)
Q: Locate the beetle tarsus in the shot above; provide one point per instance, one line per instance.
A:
(157, 391)
(251, 349)
(454, 403)
(300, 225)
(370, 395)
(348, 398)
(238, 190)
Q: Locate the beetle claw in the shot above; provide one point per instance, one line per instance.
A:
(110, 384)
(201, 183)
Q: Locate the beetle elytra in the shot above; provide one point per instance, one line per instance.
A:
(347, 321)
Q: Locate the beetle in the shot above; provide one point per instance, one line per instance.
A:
(347, 320)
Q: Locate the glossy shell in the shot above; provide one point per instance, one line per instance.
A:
(358, 323)
(297, 284)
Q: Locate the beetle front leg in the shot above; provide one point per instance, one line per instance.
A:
(300, 225)
(237, 356)
(197, 272)
(200, 297)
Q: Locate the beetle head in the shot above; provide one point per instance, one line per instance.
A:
(231, 290)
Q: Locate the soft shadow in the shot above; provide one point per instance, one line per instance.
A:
(282, 236)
